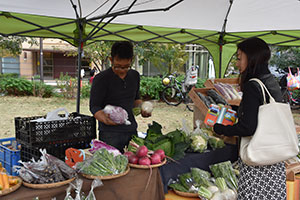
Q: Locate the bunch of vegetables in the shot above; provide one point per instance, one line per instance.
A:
(103, 163)
(200, 181)
(98, 144)
(48, 169)
(6, 181)
(225, 170)
(173, 143)
(228, 91)
(142, 156)
(201, 137)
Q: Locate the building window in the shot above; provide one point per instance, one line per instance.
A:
(10, 65)
(48, 64)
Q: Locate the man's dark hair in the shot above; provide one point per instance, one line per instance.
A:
(258, 54)
(123, 50)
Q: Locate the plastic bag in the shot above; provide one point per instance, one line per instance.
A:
(185, 128)
(68, 193)
(95, 183)
(117, 114)
(53, 115)
(293, 82)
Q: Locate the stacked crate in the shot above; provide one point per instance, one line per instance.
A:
(55, 136)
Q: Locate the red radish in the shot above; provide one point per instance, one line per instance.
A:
(144, 161)
(128, 154)
(161, 153)
(133, 159)
(142, 151)
(155, 159)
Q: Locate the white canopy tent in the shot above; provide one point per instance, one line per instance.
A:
(217, 25)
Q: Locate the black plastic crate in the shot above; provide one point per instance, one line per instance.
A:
(42, 133)
(56, 149)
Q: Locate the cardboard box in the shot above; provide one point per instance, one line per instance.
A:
(209, 83)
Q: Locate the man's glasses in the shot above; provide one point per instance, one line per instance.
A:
(120, 67)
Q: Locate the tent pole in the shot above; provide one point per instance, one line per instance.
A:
(220, 60)
(80, 45)
(41, 61)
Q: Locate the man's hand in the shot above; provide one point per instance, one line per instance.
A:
(104, 118)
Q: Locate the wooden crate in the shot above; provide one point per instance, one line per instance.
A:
(209, 83)
(200, 110)
(198, 103)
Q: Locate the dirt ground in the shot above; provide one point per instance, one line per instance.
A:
(168, 116)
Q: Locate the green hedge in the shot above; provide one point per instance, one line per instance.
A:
(150, 87)
(23, 87)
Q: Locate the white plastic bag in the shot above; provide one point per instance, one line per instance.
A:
(117, 114)
(53, 115)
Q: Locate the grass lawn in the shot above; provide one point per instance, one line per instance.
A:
(10, 107)
(169, 117)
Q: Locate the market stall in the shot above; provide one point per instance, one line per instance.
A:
(199, 160)
(131, 186)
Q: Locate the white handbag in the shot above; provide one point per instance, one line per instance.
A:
(275, 138)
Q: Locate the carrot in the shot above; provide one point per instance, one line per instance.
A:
(1, 181)
(5, 181)
(13, 181)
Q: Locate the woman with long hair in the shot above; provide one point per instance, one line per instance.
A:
(255, 182)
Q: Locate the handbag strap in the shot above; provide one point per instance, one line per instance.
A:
(263, 89)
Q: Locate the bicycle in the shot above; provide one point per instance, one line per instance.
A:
(176, 92)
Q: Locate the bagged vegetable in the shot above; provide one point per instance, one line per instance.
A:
(95, 183)
(117, 114)
(98, 144)
(225, 170)
(147, 107)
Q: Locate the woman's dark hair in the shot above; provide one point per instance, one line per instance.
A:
(258, 54)
(123, 50)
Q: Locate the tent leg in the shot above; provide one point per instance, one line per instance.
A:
(78, 78)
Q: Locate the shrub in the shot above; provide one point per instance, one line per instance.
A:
(67, 86)
(151, 87)
(9, 75)
(42, 90)
(85, 90)
(15, 86)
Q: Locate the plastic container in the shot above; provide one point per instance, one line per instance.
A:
(56, 149)
(48, 132)
(9, 157)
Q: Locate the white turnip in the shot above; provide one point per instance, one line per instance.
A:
(144, 161)
(147, 107)
(155, 159)
(142, 151)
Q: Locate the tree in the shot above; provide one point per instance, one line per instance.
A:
(12, 45)
(97, 52)
(284, 57)
(166, 57)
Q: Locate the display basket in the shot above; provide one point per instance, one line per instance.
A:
(187, 194)
(11, 189)
(48, 185)
(48, 132)
(107, 177)
(148, 167)
(9, 157)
